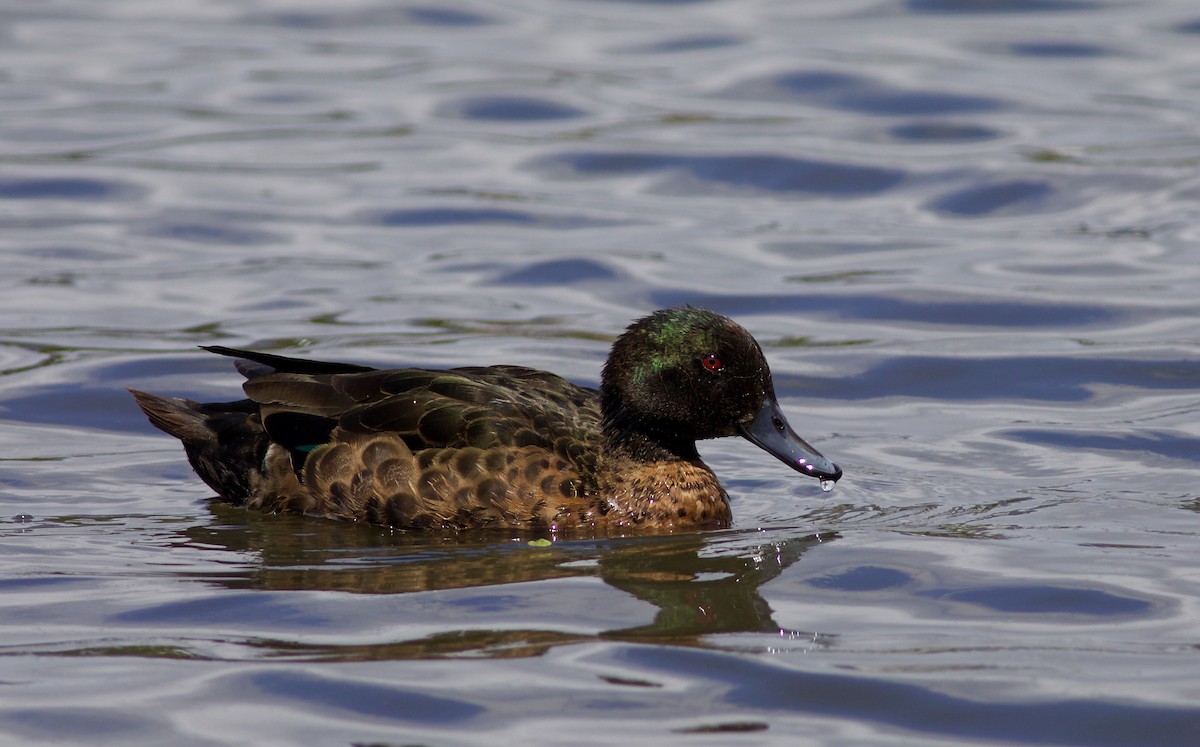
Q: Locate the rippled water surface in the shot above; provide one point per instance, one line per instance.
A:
(965, 232)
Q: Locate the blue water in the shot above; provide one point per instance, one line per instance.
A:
(965, 232)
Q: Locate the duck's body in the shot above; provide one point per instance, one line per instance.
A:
(499, 446)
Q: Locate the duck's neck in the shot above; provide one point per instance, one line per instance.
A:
(626, 437)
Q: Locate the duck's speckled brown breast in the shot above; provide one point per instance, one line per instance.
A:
(378, 479)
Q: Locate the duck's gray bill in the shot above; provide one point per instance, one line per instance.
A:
(770, 432)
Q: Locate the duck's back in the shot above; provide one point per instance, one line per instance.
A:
(468, 447)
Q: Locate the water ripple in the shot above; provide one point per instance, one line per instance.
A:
(508, 109)
(747, 174)
(358, 699)
(767, 686)
(67, 188)
(934, 308)
(372, 16)
(1021, 378)
(1174, 445)
(469, 216)
(999, 6)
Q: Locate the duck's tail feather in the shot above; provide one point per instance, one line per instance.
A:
(182, 418)
(225, 441)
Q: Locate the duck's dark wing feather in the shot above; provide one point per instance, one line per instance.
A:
(285, 364)
(301, 402)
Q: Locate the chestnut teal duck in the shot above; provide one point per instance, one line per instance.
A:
(497, 446)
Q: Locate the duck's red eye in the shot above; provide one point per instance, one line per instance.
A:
(712, 362)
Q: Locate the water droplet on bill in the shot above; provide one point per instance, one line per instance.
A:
(827, 485)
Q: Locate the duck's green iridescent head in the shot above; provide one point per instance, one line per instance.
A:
(686, 370)
(685, 374)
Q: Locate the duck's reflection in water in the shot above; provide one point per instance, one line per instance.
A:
(701, 584)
